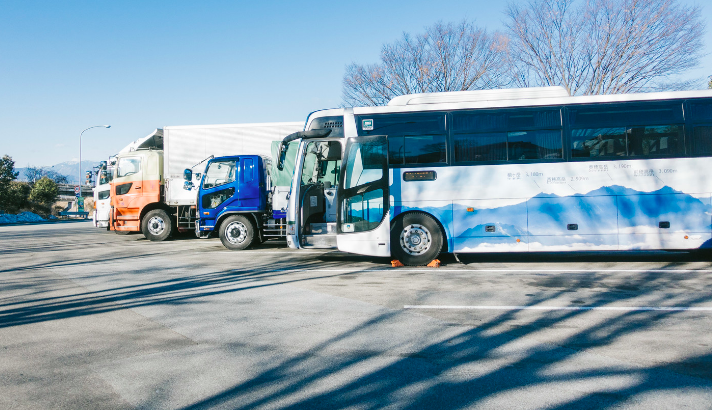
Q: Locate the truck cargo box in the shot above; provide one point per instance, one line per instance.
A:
(186, 146)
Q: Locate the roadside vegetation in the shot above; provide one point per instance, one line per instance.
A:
(36, 196)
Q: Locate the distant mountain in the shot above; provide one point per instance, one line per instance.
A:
(69, 168)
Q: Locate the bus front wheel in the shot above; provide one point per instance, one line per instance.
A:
(237, 232)
(416, 239)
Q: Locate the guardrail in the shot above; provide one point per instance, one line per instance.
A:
(68, 190)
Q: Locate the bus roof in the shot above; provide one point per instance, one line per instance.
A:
(479, 96)
(517, 97)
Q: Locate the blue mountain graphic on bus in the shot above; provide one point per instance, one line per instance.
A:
(603, 211)
(608, 217)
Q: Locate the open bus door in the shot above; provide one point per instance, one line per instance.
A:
(363, 223)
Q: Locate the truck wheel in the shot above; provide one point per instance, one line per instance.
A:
(157, 225)
(237, 232)
(416, 239)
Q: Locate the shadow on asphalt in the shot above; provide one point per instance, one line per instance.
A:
(569, 257)
(417, 378)
(419, 374)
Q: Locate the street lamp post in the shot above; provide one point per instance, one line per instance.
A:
(80, 158)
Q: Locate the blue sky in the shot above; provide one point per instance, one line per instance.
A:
(140, 65)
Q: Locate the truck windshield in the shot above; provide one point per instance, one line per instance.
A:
(219, 173)
(128, 166)
(106, 175)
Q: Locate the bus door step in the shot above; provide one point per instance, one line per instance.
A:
(319, 241)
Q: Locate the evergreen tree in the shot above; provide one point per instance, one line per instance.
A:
(7, 176)
(44, 191)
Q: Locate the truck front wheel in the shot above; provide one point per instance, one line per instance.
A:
(156, 225)
(237, 232)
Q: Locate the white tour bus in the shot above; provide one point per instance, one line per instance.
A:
(506, 171)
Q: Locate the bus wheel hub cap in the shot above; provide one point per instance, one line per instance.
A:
(156, 225)
(415, 239)
(236, 232)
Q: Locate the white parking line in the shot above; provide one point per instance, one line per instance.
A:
(613, 308)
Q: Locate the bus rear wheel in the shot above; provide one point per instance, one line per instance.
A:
(237, 232)
(416, 239)
(157, 225)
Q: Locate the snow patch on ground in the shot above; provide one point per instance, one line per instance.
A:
(22, 217)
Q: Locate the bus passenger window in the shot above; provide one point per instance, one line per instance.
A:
(701, 112)
(702, 140)
(416, 149)
(625, 114)
(400, 124)
(479, 122)
(534, 119)
(396, 150)
(598, 142)
(656, 141)
(424, 149)
(480, 147)
(524, 145)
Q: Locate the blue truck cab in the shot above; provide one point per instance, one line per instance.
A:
(235, 200)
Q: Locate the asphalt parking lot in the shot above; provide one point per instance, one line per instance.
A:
(92, 319)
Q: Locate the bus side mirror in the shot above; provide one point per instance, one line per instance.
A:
(282, 155)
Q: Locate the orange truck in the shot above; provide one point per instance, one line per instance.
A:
(148, 192)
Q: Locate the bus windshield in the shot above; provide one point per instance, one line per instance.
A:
(322, 163)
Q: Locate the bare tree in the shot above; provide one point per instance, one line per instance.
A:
(446, 57)
(33, 174)
(603, 46)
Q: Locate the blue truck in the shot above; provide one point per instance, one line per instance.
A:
(242, 198)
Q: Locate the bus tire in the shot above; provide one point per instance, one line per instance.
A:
(157, 225)
(237, 232)
(416, 239)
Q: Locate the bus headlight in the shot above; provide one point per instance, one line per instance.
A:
(291, 229)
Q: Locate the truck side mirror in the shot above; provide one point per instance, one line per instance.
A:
(188, 176)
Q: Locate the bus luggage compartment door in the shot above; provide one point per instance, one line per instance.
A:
(573, 223)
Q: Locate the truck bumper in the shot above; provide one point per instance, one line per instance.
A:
(204, 227)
